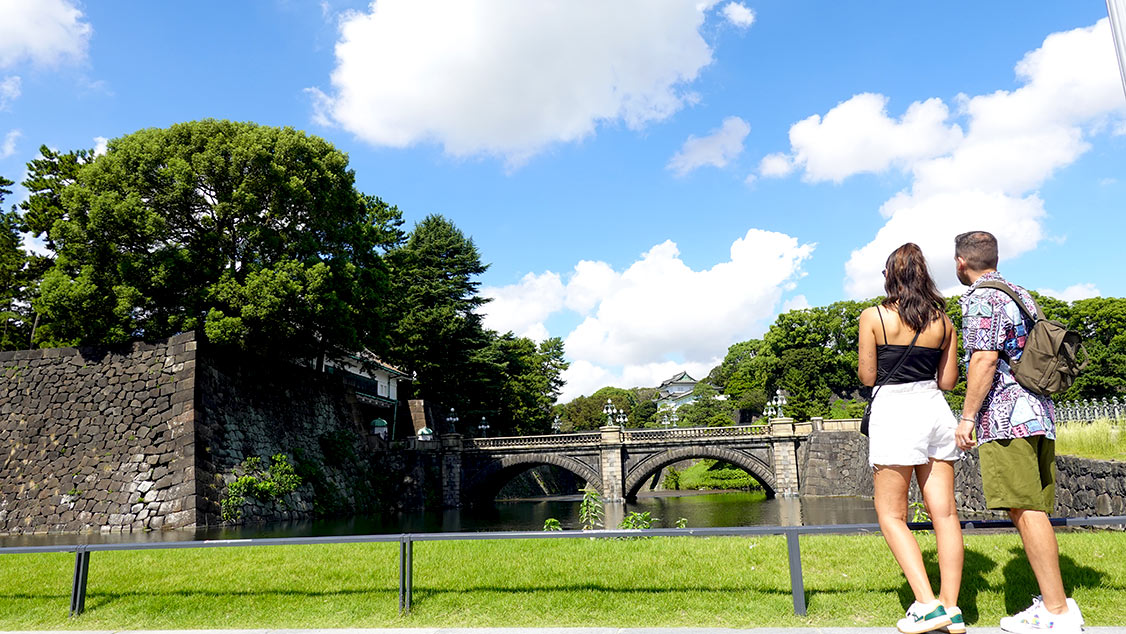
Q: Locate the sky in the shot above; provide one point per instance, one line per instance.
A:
(650, 180)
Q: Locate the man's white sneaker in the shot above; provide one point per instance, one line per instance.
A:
(923, 617)
(1036, 619)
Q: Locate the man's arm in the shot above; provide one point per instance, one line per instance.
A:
(979, 379)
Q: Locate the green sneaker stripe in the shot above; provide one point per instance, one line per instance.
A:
(937, 612)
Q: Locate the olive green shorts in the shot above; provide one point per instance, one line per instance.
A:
(1019, 473)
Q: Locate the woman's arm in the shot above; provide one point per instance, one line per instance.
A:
(948, 364)
(866, 364)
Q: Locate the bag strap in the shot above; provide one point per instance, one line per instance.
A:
(1008, 290)
(898, 364)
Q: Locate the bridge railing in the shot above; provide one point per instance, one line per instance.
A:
(406, 546)
(696, 432)
(554, 440)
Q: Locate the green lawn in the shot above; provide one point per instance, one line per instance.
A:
(709, 474)
(707, 582)
(1101, 440)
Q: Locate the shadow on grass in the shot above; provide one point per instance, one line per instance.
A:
(975, 567)
(1021, 586)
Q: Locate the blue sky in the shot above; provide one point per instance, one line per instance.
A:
(651, 181)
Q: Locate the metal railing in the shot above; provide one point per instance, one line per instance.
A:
(407, 540)
(553, 440)
(730, 431)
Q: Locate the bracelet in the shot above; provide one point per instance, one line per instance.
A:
(968, 420)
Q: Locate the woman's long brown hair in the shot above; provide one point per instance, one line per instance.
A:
(910, 288)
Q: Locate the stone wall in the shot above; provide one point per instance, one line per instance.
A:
(98, 438)
(836, 463)
(148, 436)
(257, 407)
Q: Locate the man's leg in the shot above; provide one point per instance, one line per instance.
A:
(1043, 554)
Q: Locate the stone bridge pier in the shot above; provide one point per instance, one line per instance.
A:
(619, 462)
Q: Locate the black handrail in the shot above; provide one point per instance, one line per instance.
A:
(406, 546)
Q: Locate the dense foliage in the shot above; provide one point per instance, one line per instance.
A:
(257, 237)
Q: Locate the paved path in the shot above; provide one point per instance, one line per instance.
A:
(563, 630)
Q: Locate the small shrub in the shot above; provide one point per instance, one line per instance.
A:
(638, 521)
(552, 524)
(264, 485)
(590, 510)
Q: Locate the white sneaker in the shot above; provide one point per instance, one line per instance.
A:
(1036, 619)
(923, 617)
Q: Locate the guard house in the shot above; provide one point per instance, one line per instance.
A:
(376, 386)
(676, 391)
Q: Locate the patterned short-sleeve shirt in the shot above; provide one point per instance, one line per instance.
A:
(992, 321)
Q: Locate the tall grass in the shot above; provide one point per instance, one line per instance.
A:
(1102, 439)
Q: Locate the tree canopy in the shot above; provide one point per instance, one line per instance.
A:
(255, 234)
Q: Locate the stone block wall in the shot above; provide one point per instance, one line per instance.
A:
(836, 463)
(258, 407)
(148, 436)
(98, 438)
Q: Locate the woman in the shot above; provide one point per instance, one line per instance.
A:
(911, 430)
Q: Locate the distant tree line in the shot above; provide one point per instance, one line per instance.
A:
(257, 237)
(811, 354)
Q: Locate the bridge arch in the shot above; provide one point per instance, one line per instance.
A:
(642, 471)
(492, 476)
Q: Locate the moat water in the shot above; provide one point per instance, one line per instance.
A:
(699, 509)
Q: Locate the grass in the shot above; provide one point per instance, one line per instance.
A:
(1101, 440)
(704, 582)
(714, 475)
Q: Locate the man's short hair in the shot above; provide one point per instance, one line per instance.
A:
(978, 249)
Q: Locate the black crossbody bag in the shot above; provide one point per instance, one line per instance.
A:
(868, 407)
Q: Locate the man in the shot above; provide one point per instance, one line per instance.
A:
(1015, 430)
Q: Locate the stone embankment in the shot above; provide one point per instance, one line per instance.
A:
(836, 463)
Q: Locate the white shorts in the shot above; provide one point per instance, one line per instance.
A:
(911, 424)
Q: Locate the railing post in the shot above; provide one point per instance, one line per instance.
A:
(797, 584)
(78, 587)
(406, 573)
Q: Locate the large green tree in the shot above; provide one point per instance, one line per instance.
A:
(14, 331)
(436, 330)
(254, 233)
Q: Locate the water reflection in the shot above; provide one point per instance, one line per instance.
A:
(699, 509)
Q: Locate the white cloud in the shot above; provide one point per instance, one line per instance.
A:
(8, 146)
(739, 14)
(717, 149)
(858, 136)
(44, 32)
(797, 302)
(100, 144)
(984, 177)
(1072, 293)
(642, 324)
(1109, 180)
(775, 165)
(523, 307)
(9, 91)
(488, 77)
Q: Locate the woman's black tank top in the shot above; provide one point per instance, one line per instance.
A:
(921, 363)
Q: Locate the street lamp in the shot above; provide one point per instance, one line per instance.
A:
(774, 408)
(451, 421)
(621, 418)
(609, 410)
(556, 425)
(665, 420)
(484, 427)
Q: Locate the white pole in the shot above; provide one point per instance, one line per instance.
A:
(1117, 11)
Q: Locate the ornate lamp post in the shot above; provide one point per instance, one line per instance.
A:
(774, 407)
(451, 421)
(483, 427)
(556, 425)
(608, 410)
(665, 420)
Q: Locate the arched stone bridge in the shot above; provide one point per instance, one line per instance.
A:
(618, 462)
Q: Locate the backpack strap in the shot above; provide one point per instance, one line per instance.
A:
(1008, 290)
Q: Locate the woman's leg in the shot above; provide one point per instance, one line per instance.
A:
(936, 479)
(891, 484)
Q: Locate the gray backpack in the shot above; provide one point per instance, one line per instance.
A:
(1050, 359)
